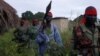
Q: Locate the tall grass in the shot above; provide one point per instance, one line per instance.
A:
(66, 37)
(8, 47)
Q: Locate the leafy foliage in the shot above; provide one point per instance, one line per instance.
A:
(39, 15)
(28, 15)
(9, 48)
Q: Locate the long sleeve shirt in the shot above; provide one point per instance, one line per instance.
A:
(43, 36)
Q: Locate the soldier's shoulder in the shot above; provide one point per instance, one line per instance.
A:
(80, 28)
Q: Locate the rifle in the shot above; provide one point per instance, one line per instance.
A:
(44, 18)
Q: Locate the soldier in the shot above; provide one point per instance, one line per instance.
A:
(20, 34)
(32, 33)
(33, 30)
(86, 33)
(48, 36)
(98, 26)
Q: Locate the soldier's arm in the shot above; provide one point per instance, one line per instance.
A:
(57, 36)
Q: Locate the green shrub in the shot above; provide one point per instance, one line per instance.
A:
(9, 47)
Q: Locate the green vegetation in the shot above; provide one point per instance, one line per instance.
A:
(8, 47)
(66, 37)
(39, 15)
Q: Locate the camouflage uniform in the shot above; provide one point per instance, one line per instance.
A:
(99, 43)
(98, 26)
(32, 32)
(20, 34)
(86, 33)
(92, 36)
(87, 36)
(21, 37)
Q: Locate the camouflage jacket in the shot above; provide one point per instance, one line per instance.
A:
(85, 37)
(20, 34)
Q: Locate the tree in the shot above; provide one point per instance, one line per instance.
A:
(28, 14)
(39, 15)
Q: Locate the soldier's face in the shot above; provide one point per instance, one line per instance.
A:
(48, 19)
(35, 22)
(91, 18)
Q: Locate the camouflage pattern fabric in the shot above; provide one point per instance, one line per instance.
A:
(86, 40)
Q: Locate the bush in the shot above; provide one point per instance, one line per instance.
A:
(66, 38)
(9, 47)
